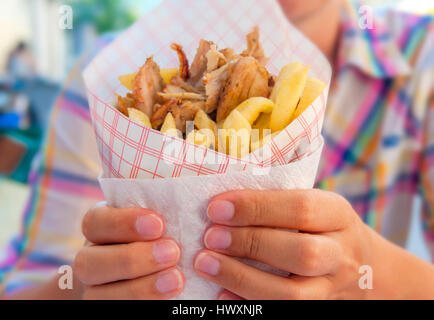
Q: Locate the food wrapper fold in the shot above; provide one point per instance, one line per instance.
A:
(144, 167)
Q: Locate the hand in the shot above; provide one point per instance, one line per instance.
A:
(323, 258)
(127, 258)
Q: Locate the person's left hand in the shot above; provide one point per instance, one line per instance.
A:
(323, 257)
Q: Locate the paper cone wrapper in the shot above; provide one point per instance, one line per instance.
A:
(144, 167)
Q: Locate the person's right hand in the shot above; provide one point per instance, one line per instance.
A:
(126, 258)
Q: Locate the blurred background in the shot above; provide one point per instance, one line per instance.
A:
(35, 56)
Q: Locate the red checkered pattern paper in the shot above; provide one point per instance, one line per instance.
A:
(129, 150)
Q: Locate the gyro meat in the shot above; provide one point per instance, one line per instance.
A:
(260, 86)
(179, 82)
(215, 59)
(146, 85)
(254, 47)
(184, 72)
(125, 103)
(182, 112)
(187, 112)
(214, 83)
(199, 64)
(247, 78)
(175, 92)
(161, 111)
(170, 88)
(182, 96)
(229, 54)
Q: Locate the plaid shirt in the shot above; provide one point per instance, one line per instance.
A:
(379, 153)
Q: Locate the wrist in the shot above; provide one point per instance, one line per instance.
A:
(382, 260)
(397, 274)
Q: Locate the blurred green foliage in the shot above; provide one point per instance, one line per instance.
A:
(105, 15)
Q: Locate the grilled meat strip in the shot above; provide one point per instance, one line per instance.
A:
(254, 47)
(184, 72)
(214, 84)
(199, 64)
(146, 85)
(182, 112)
(247, 78)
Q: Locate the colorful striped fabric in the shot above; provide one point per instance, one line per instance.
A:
(64, 186)
(379, 126)
(379, 152)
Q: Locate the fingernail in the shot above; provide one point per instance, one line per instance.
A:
(217, 238)
(207, 264)
(169, 281)
(149, 226)
(165, 251)
(221, 210)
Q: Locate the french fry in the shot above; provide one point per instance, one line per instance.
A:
(235, 120)
(127, 80)
(237, 142)
(203, 121)
(236, 133)
(261, 139)
(263, 121)
(191, 137)
(168, 74)
(169, 126)
(285, 73)
(312, 90)
(221, 142)
(253, 107)
(211, 137)
(287, 97)
(204, 137)
(139, 117)
(237, 127)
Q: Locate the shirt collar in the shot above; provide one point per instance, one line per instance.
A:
(374, 51)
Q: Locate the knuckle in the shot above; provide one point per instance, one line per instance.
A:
(340, 198)
(239, 279)
(347, 215)
(305, 209)
(253, 243)
(310, 261)
(258, 209)
(130, 257)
